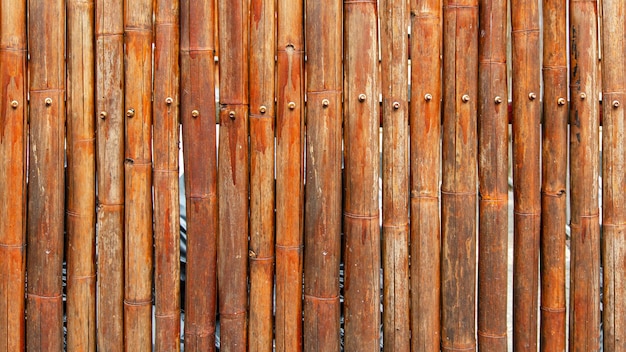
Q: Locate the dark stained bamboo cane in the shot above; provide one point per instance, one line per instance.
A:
(46, 201)
(493, 166)
(233, 175)
(361, 159)
(459, 179)
(613, 174)
(289, 175)
(323, 30)
(526, 169)
(197, 48)
(262, 113)
(554, 176)
(81, 178)
(584, 326)
(425, 128)
(13, 130)
(138, 176)
(394, 23)
(166, 196)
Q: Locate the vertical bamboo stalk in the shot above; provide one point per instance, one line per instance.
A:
(425, 128)
(613, 173)
(13, 130)
(527, 203)
(289, 175)
(394, 49)
(584, 145)
(166, 197)
(46, 43)
(493, 165)
(81, 178)
(323, 30)
(197, 48)
(233, 174)
(138, 175)
(554, 175)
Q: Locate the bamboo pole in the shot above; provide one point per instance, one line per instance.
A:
(233, 174)
(166, 196)
(138, 175)
(394, 49)
(289, 175)
(46, 43)
(527, 216)
(584, 146)
(425, 129)
(613, 171)
(13, 130)
(493, 165)
(262, 113)
(197, 48)
(554, 175)
(323, 176)
(81, 178)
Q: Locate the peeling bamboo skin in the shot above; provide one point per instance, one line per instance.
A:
(46, 43)
(13, 131)
(584, 145)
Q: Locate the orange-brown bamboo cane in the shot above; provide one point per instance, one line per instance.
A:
(261, 250)
(322, 236)
(166, 197)
(584, 326)
(394, 49)
(233, 175)
(289, 175)
(493, 165)
(138, 176)
(425, 128)
(361, 159)
(46, 44)
(81, 178)
(554, 175)
(526, 168)
(613, 174)
(13, 129)
(197, 48)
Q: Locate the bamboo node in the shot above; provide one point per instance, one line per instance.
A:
(498, 100)
(561, 101)
(325, 103)
(465, 98)
(396, 105)
(48, 101)
(14, 104)
(103, 115)
(616, 104)
(291, 105)
(362, 97)
(429, 97)
(169, 101)
(195, 113)
(532, 96)
(130, 113)
(263, 109)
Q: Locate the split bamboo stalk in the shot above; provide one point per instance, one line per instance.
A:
(584, 326)
(13, 130)
(197, 48)
(493, 166)
(554, 176)
(138, 175)
(613, 171)
(323, 30)
(166, 196)
(459, 179)
(289, 175)
(394, 49)
(81, 178)
(233, 175)
(526, 169)
(46, 201)
(261, 249)
(361, 159)
(425, 129)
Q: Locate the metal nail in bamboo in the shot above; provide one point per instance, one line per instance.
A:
(138, 175)
(323, 30)
(13, 131)
(584, 325)
(394, 22)
(233, 175)
(46, 170)
(198, 110)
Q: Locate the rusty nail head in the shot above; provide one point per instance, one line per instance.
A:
(325, 103)
(169, 101)
(130, 113)
(583, 96)
(231, 115)
(14, 104)
(396, 105)
(428, 97)
(362, 97)
(616, 103)
(498, 100)
(263, 109)
(292, 105)
(561, 101)
(103, 114)
(465, 98)
(532, 96)
(195, 113)
(48, 101)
